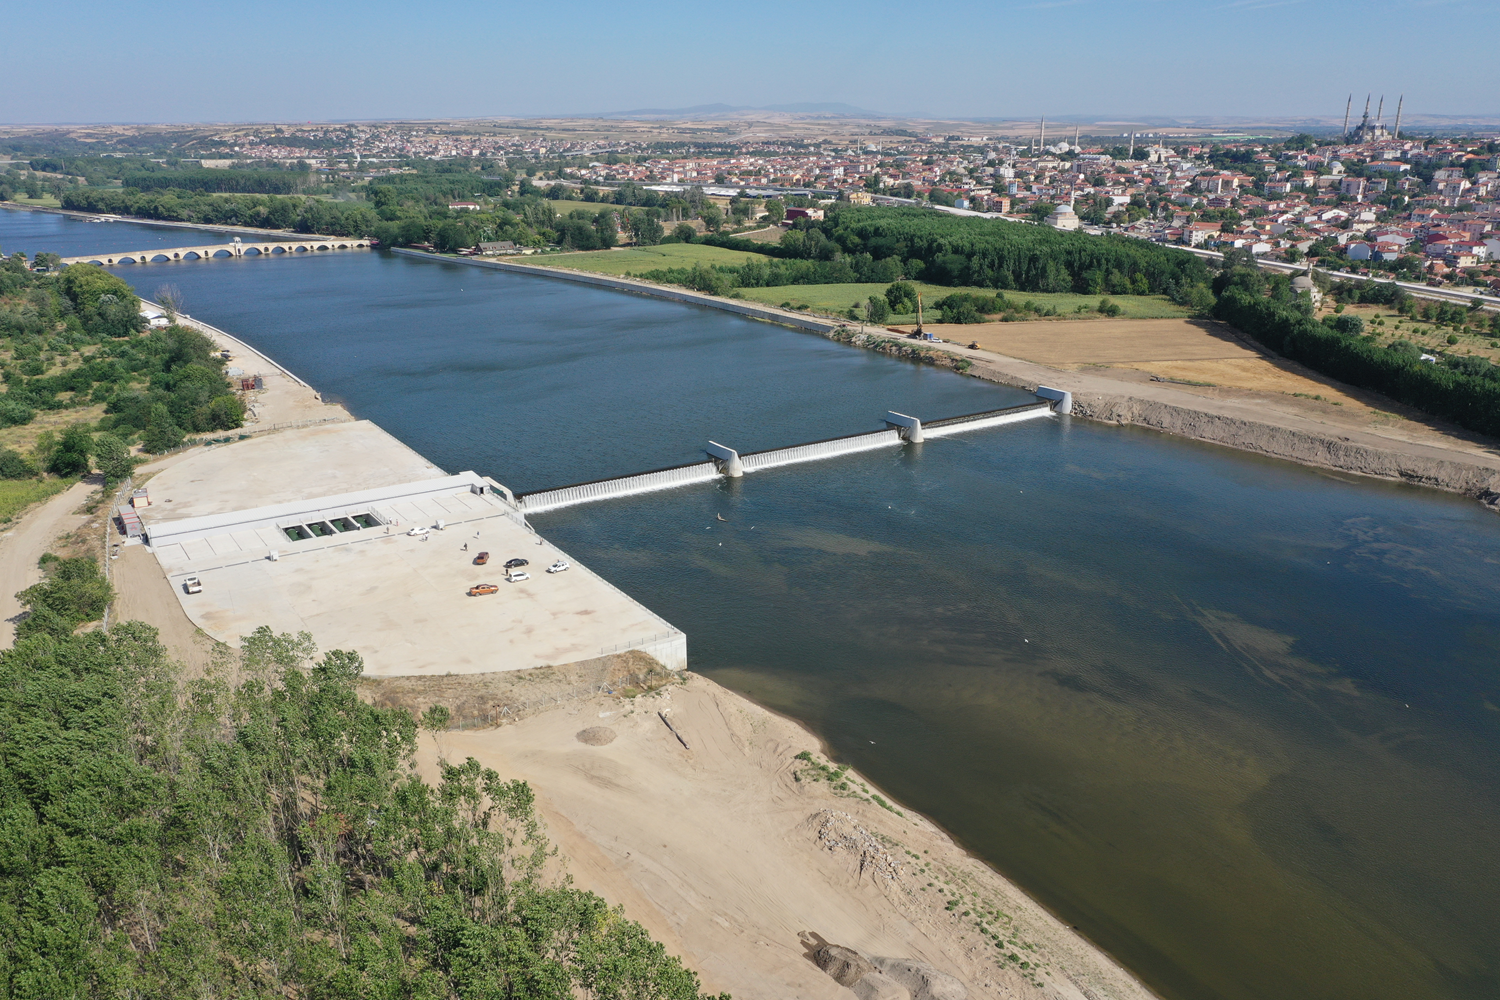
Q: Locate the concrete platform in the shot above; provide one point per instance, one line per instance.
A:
(284, 467)
(400, 601)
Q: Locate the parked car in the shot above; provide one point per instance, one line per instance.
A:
(481, 559)
(418, 531)
(517, 576)
(561, 566)
(483, 589)
(192, 585)
(513, 563)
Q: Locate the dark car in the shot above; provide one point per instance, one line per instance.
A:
(513, 563)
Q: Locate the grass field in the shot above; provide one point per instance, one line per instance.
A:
(47, 202)
(639, 259)
(831, 298)
(18, 494)
(838, 298)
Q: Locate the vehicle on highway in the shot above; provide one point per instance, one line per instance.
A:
(517, 576)
(483, 590)
(418, 531)
(561, 566)
(481, 559)
(192, 585)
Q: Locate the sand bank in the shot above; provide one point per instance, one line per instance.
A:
(735, 853)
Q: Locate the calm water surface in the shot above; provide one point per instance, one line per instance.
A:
(1236, 719)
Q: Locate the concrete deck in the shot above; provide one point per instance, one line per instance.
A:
(284, 467)
(400, 601)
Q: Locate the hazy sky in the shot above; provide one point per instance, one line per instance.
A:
(168, 61)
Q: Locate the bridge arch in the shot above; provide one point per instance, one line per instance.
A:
(160, 256)
(192, 255)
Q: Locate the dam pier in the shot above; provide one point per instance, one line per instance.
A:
(356, 539)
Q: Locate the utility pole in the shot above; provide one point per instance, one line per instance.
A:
(1347, 108)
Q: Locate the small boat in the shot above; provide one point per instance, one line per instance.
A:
(721, 517)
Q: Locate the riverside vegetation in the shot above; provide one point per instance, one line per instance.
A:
(76, 342)
(261, 832)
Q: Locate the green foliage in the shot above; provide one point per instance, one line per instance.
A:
(74, 593)
(262, 832)
(1468, 400)
(1108, 307)
(113, 459)
(221, 181)
(14, 412)
(13, 465)
(107, 306)
(902, 296)
(684, 233)
(71, 456)
(877, 310)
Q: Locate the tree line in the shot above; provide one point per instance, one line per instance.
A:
(1463, 390)
(76, 340)
(260, 831)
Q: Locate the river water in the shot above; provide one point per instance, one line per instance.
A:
(1235, 719)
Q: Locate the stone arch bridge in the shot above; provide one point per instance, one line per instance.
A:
(235, 249)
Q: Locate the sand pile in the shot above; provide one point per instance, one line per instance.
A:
(596, 736)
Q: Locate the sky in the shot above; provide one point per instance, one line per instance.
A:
(322, 60)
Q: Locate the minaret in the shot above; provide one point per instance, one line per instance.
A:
(1132, 147)
(1366, 119)
(1042, 145)
(1348, 106)
(1398, 116)
(1380, 111)
(1075, 136)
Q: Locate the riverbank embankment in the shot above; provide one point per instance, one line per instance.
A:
(1407, 447)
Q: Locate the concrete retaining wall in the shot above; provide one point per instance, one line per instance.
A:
(754, 310)
(606, 489)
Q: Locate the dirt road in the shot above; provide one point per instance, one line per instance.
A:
(24, 544)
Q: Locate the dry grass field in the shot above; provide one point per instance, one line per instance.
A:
(1185, 350)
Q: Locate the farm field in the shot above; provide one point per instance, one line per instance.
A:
(838, 298)
(639, 259)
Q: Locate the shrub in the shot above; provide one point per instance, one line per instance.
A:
(13, 465)
(878, 310)
(1452, 338)
(1349, 324)
(13, 412)
(902, 297)
(1109, 307)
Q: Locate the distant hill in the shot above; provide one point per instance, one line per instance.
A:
(719, 110)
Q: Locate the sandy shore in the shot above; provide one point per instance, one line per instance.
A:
(734, 854)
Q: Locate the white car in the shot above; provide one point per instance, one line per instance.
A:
(418, 531)
(518, 577)
(192, 585)
(561, 566)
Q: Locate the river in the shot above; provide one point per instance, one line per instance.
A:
(1236, 719)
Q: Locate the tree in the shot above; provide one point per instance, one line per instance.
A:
(775, 211)
(605, 230)
(71, 457)
(901, 296)
(13, 465)
(169, 297)
(112, 458)
(877, 309)
(646, 227)
(684, 233)
(713, 219)
(162, 433)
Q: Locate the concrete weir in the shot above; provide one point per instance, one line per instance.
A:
(728, 463)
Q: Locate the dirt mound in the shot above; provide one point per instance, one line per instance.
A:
(596, 736)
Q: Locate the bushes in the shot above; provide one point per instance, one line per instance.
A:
(74, 593)
(14, 412)
(1468, 400)
(13, 465)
